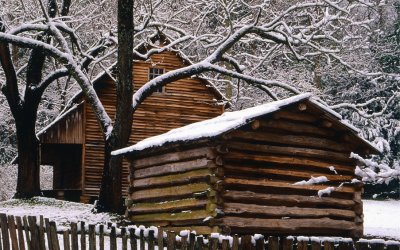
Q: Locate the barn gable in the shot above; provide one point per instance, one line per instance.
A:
(178, 104)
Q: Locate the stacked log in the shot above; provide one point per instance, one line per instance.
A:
(176, 189)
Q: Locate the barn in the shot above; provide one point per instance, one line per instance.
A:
(73, 143)
(282, 168)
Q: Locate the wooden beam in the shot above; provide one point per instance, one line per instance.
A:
(303, 161)
(289, 200)
(283, 173)
(176, 167)
(280, 184)
(167, 206)
(289, 226)
(296, 127)
(285, 211)
(186, 177)
(182, 216)
(165, 192)
(203, 152)
(288, 150)
(288, 139)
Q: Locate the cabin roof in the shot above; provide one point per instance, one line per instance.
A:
(229, 121)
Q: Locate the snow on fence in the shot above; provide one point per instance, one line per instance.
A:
(28, 233)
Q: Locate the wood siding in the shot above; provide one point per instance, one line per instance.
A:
(252, 179)
(264, 159)
(184, 102)
(68, 130)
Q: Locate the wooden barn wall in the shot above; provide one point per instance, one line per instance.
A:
(263, 161)
(68, 130)
(175, 189)
(185, 101)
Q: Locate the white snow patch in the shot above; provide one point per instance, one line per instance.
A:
(382, 218)
(312, 180)
(326, 191)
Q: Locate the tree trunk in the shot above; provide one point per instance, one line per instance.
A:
(110, 197)
(28, 183)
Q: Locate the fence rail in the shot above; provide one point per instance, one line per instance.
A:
(30, 233)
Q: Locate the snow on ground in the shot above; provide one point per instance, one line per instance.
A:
(62, 212)
(382, 218)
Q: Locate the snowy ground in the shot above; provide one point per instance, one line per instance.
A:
(61, 212)
(382, 218)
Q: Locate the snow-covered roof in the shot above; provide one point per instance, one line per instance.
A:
(224, 123)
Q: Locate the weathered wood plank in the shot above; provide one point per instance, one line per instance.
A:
(289, 200)
(288, 150)
(294, 140)
(13, 232)
(4, 231)
(21, 241)
(203, 152)
(283, 173)
(289, 226)
(176, 167)
(167, 205)
(281, 184)
(283, 211)
(175, 191)
(303, 161)
(296, 127)
(186, 177)
(191, 215)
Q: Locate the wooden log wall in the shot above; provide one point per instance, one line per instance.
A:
(184, 102)
(176, 190)
(264, 159)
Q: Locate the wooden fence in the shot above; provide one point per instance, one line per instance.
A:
(26, 233)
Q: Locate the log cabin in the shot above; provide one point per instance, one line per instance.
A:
(282, 168)
(73, 143)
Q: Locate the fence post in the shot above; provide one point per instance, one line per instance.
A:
(171, 241)
(13, 232)
(315, 243)
(92, 238)
(101, 237)
(54, 238)
(212, 243)
(328, 245)
(246, 242)
(27, 236)
(34, 233)
(377, 245)
(287, 243)
(47, 225)
(74, 236)
(113, 239)
(235, 242)
(345, 245)
(66, 240)
(273, 243)
(160, 239)
(150, 240)
(302, 244)
(124, 239)
(184, 242)
(225, 244)
(260, 243)
(192, 239)
(20, 233)
(141, 240)
(83, 236)
(199, 243)
(133, 240)
(4, 231)
(41, 233)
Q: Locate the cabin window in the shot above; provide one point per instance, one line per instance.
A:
(153, 73)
